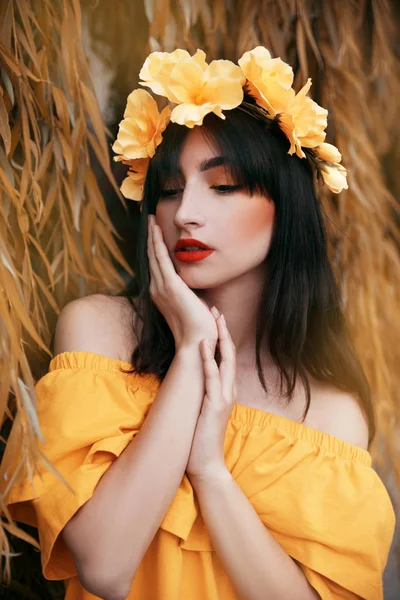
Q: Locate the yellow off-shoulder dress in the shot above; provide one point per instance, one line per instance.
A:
(316, 494)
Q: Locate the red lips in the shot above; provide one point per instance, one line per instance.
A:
(187, 242)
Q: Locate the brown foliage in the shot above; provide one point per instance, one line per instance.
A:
(56, 239)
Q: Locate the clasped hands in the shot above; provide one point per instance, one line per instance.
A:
(206, 458)
(188, 315)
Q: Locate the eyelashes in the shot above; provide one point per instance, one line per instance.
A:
(227, 189)
(220, 189)
(169, 193)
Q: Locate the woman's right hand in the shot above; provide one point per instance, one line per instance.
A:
(187, 315)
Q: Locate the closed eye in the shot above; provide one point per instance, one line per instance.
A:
(226, 189)
(169, 193)
(221, 189)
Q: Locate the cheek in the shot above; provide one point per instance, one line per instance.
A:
(253, 227)
(164, 218)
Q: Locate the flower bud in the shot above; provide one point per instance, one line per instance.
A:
(335, 177)
(328, 152)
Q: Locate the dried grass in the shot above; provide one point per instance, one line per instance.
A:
(56, 238)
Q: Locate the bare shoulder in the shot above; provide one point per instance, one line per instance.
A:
(96, 323)
(340, 414)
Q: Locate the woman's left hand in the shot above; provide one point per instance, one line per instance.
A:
(207, 452)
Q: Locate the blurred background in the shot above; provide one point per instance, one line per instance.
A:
(66, 69)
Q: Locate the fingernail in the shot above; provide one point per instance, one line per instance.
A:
(215, 311)
(223, 319)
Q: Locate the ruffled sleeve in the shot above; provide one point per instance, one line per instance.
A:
(319, 497)
(88, 412)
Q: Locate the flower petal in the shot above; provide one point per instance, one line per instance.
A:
(117, 148)
(309, 117)
(254, 59)
(304, 122)
(272, 96)
(312, 140)
(260, 67)
(157, 68)
(132, 186)
(286, 123)
(200, 59)
(139, 101)
(132, 190)
(141, 132)
(132, 140)
(191, 114)
(185, 82)
(225, 68)
(269, 80)
(223, 91)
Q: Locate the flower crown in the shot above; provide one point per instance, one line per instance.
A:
(196, 88)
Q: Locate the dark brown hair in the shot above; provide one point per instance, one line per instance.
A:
(300, 318)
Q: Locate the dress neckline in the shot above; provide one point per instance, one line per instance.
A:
(242, 414)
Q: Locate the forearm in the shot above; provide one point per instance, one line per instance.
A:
(255, 562)
(112, 531)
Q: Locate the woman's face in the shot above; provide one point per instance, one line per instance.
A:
(237, 226)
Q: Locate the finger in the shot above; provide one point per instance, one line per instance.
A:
(227, 367)
(162, 255)
(215, 312)
(211, 372)
(214, 348)
(154, 267)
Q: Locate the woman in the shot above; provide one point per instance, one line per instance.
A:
(232, 460)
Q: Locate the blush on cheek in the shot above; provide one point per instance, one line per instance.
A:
(252, 224)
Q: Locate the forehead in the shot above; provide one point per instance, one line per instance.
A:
(196, 150)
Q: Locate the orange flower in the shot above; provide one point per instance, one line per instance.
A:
(196, 87)
(303, 122)
(132, 186)
(335, 177)
(140, 132)
(269, 80)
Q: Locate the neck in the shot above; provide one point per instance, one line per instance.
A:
(239, 300)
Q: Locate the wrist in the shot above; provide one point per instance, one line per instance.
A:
(186, 346)
(220, 476)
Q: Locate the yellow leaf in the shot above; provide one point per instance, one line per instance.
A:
(5, 131)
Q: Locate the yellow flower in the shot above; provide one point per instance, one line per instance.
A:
(196, 87)
(328, 152)
(140, 132)
(269, 80)
(132, 186)
(158, 66)
(335, 177)
(303, 122)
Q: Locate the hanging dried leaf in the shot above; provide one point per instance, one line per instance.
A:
(47, 107)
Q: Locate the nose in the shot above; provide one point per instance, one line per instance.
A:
(189, 210)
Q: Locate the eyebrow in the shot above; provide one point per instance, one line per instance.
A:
(210, 163)
(216, 161)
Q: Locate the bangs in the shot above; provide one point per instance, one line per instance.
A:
(253, 150)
